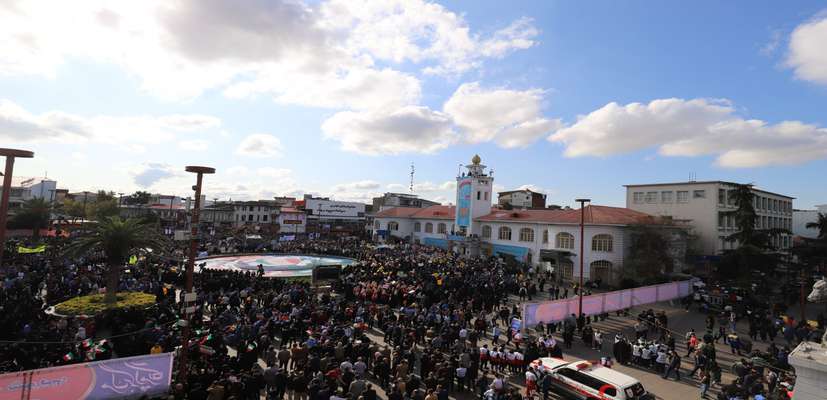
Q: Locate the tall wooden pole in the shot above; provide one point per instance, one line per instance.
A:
(582, 253)
(185, 332)
(10, 155)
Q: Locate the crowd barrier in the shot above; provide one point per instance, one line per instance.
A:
(558, 310)
(120, 378)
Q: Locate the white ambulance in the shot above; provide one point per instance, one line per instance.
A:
(589, 380)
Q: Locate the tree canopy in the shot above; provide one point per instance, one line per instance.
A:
(34, 214)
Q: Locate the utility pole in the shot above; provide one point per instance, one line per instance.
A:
(189, 295)
(582, 253)
(10, 155)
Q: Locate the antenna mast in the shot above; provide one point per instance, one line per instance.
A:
(412, 178)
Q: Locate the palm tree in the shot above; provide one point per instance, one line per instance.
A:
(34, 214)
(821, 225)
(118, 239)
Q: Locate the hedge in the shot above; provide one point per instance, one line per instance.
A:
(93, 304)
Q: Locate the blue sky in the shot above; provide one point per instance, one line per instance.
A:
(340, 97)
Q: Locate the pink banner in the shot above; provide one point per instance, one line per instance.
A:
(557, 310)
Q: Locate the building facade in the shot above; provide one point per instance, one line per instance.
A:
(521, 199)
(705, 205)
(255, 213)
(803, 217)
(24, 189)
(389, 200)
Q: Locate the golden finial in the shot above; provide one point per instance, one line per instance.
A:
(476, 160)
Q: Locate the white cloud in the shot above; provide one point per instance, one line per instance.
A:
(239, 170)
(270, 172)
(20, 125)
(512, 118)
(404, 130)
(696, 127)
(193, 145)
(807, 53)
(776, 37)
(330, 50)
(534, 188)
(260, 145)
(355, 186)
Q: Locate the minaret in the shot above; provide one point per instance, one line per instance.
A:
(474, 196)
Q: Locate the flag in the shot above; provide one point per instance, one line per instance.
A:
(68, 357)
(87, 343)
(133, 260)
(31, 250)
(251, 346)
(206, 339)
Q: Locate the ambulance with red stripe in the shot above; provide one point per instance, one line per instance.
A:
(589, 380)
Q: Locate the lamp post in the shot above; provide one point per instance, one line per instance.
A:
(188, 293)
(582, 253)
(10, 155)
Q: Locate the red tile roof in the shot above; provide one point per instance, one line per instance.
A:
(598, 215)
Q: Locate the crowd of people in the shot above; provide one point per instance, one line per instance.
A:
(408, 321)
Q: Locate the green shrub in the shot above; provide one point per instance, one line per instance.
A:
(93, 304)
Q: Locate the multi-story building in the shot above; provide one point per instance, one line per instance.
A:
(802, 217)
(389, 200)
(255, 213)
(24, 189)
(707, 206)
(521, 199)
(548, 236)
(325, 216)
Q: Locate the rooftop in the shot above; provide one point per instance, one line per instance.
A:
(705, 183)
(28, 181)
(593, 214)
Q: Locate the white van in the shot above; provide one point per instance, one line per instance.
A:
(589, 380)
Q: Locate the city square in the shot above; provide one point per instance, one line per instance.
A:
(413, 200)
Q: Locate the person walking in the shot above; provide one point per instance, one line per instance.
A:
(704, 383)
(674, 365)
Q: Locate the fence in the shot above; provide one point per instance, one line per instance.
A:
(558, 310)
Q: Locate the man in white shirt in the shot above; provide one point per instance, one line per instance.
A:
(484, 356)
(461, 373)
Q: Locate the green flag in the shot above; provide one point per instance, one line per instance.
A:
(133, 260)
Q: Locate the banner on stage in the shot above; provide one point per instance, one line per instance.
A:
(31, 250)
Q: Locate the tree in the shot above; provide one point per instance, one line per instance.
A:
(649, 255)
(821, 225)
(755, 250)
(118, 239)
(102, 209)
(138, 198)
(34, 214)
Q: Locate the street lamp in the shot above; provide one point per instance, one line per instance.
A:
(10, 155)
(188, 294)
(582, 253)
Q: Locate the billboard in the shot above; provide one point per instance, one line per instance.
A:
(120, 378)
(557, 310)
(335, 209)
(463, 217)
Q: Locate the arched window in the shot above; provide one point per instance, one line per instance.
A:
(545, 235)
(429, 227)
(567, 271)
(602, 242)
(601, 270)
(441, 228)
(526, 235)
(417, 227)
(486, 232)
(504, 233)
(393, 226)
(377, 224)
(564, 240)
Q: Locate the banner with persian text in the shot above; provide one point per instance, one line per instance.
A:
(120, 378)
(557, 310)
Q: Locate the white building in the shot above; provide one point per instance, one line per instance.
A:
(532, 236)
(24, 189)
(706, 204)
(802, 217)
(255, 213)
(292, 221)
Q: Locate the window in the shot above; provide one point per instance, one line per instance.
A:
(545, 236)
(651, 197)
(257, 218)
(699, 194)
(441, 228)
(567, 271)
(722, 196)
(417, 226)
(504, 233)
(264, 217)
(683, 196)
(377, 225)
(393, 226)
(479, 194)
(243, 216)
(602, 242)
(637, 197)
(730, 221)
(763, 203)
(721, 220)
(486, 232)
(764, 222)
(526, 235)
(429, 227)
(666, 197)
(564, 240)
(485, 196)
(250, 218)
